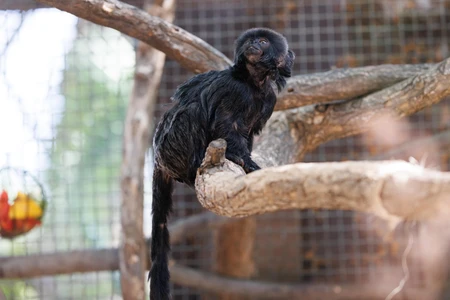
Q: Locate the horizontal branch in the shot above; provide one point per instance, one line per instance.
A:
(24, 5)
(108, 260)
(252, 289)
(84, 261)
(326, 122)
(190, 51)
(342, 84)
(389, 189)
(290, 134)
(69, 262)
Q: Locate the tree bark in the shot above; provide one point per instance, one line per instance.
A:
(24, 5)
(233, 247)
(290, 134)
(410, 96)
(391, 190)
(343, 84)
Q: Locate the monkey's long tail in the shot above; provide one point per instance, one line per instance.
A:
(161, 207)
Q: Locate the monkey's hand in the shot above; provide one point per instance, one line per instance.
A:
(250, 165)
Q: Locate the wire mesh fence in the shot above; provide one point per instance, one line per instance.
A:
(64, 89)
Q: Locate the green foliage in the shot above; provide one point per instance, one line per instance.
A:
(17, 290)
(86, 153)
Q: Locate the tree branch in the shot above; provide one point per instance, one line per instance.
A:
(290, 134)
(37, 265)
(342, 84)
(24, 5)
(390, 189)
(85, 261)
(198, 56)
(268, 290)
(137, 132)
(324, 123)
(107, 260)
(190, 51)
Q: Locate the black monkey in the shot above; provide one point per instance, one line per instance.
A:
(233, 104)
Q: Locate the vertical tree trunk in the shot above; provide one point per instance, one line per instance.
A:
(138, 127)
(234, 243)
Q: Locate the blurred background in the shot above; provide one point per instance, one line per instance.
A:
(64, 89)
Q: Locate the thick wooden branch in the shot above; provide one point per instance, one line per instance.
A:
(390, 189)
(326, 122)
(290, 134)
(342, 84)
(190, 51)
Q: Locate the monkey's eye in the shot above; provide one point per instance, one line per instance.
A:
(263, 41)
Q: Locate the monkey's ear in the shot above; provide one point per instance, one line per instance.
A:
(285, 64)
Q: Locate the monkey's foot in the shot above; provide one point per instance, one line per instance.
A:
(250, 166)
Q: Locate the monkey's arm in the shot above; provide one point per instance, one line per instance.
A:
(228, 124)
(238, 151)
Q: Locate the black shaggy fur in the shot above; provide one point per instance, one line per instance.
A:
(233, 104)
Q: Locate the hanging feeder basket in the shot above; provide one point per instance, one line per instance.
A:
(22, 202)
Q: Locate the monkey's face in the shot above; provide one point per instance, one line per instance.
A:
(255, 48)
(265, 53)
(265, 48)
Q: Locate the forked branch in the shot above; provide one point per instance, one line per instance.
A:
(290, 134)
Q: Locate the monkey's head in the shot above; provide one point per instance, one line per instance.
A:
(266, 51)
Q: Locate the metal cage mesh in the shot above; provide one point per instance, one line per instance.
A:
(68, 130)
